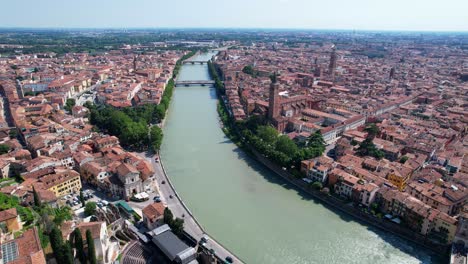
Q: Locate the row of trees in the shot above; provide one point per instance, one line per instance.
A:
(280, 148)
(63, 250)
(214, 75)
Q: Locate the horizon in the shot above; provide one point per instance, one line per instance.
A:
(359, 15)
(337, 30)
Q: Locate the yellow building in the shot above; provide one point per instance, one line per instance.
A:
(62, 183)
(399, 176)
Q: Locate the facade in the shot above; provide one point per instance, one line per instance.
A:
(153, 215)
(62, 183)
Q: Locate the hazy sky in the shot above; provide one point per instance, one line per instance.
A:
(309, 14)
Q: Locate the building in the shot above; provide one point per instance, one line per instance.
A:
(10, 221)
(172, 247)
(62, 183)
(25, 249)
(153, 215)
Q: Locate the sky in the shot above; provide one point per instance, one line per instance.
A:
(420, 15)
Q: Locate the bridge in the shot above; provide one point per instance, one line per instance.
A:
(200, 82)
(194, 62)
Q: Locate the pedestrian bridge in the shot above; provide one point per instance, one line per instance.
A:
(199, 82)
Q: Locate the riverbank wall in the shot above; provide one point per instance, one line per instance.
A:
(349, 209)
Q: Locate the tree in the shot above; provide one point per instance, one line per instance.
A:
(268, 134)
(372, 130)
(83, 202)
(178, 226)
(90, 208)
(56, 242)
(403, 159)
(248, 70)
(67, 253)
(37, 200)
(287, 146)
(316, 185)
(168, 216)
(4, 149)
(69, 104)
(13, 133)
(367, 148)
(156, 136)
(60, 214)
(160, 112)
(91, 250)
(78, 243)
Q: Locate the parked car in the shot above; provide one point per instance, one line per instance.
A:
(229, 259)
(158, 200)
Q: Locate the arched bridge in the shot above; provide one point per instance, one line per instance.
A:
(199, 82)
(194, 62)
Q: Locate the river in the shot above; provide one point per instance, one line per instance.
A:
(250, 210)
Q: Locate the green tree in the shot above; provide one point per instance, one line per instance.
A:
(248, 70)
(91, 249)
(177, 226)
(268, 134)
(56, 242)
(168, 216)
(13, 133)
(287, 146)
(69, 104)
(37, 200)
(90, 208)
(156, 136)
(403, 159)
(82, 199)
(67, 253)
(4, 149)
(372, 130)
(160, 112)
(316, 185)
(78, 243)
(61, 214)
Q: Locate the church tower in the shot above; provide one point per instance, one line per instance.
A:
(134, 63)
(274, 100)
(332, 66)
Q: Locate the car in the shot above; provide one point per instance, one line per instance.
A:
(158, 200)
(99, 204)
(204, 239)
(156, 197)
(75, 203)
(229, 259)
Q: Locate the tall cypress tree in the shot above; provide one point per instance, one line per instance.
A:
(56, 242)
(78, 241)
(67, 253)
(91, 250)
(37, 200)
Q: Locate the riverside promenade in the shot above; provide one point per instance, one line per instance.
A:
(179, 209)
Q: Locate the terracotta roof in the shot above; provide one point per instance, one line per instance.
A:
(154, 211)
(8, 214)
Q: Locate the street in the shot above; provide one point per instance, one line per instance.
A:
(175, 204)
